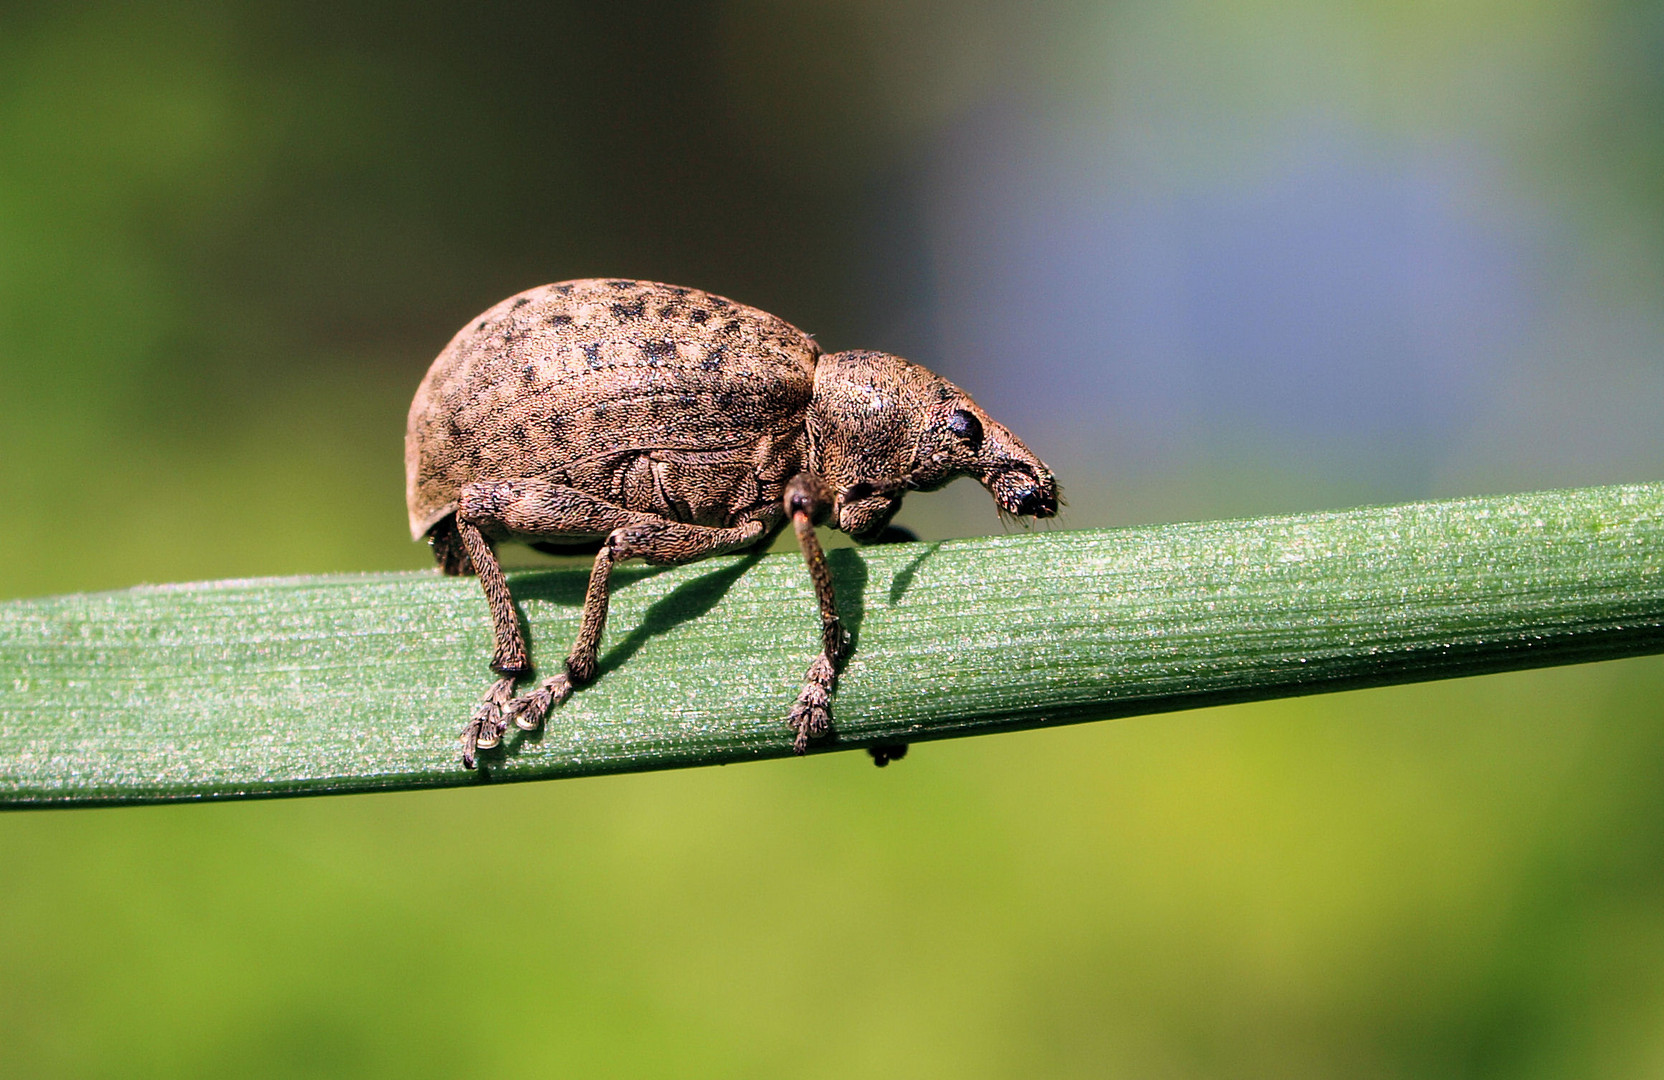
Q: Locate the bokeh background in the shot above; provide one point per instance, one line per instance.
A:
(1209, 257)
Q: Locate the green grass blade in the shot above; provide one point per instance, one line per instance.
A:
(354, 683)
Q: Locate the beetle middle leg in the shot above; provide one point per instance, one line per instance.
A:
(532, 507)
(661, 542)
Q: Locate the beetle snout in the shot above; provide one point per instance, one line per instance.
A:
(1021, 492)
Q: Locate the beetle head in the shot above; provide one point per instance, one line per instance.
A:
(880, 426)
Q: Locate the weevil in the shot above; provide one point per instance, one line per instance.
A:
(641, 420)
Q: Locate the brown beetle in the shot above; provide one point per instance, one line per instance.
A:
(669, 424)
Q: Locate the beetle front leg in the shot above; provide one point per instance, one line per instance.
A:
(807, 501)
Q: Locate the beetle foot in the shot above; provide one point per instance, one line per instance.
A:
(811, 716)
(528, 712)
(485, 728)
(471, 742)
(487, 731)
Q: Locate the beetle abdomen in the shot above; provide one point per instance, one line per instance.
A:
(654, 396)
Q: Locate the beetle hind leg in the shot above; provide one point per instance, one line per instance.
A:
(536, 508)
(485, 728)
(448, 549)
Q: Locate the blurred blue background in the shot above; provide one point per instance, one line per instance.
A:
(1207, 258)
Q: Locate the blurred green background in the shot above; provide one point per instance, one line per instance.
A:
(1208, 257)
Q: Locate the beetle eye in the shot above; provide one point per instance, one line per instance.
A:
(966, 426)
